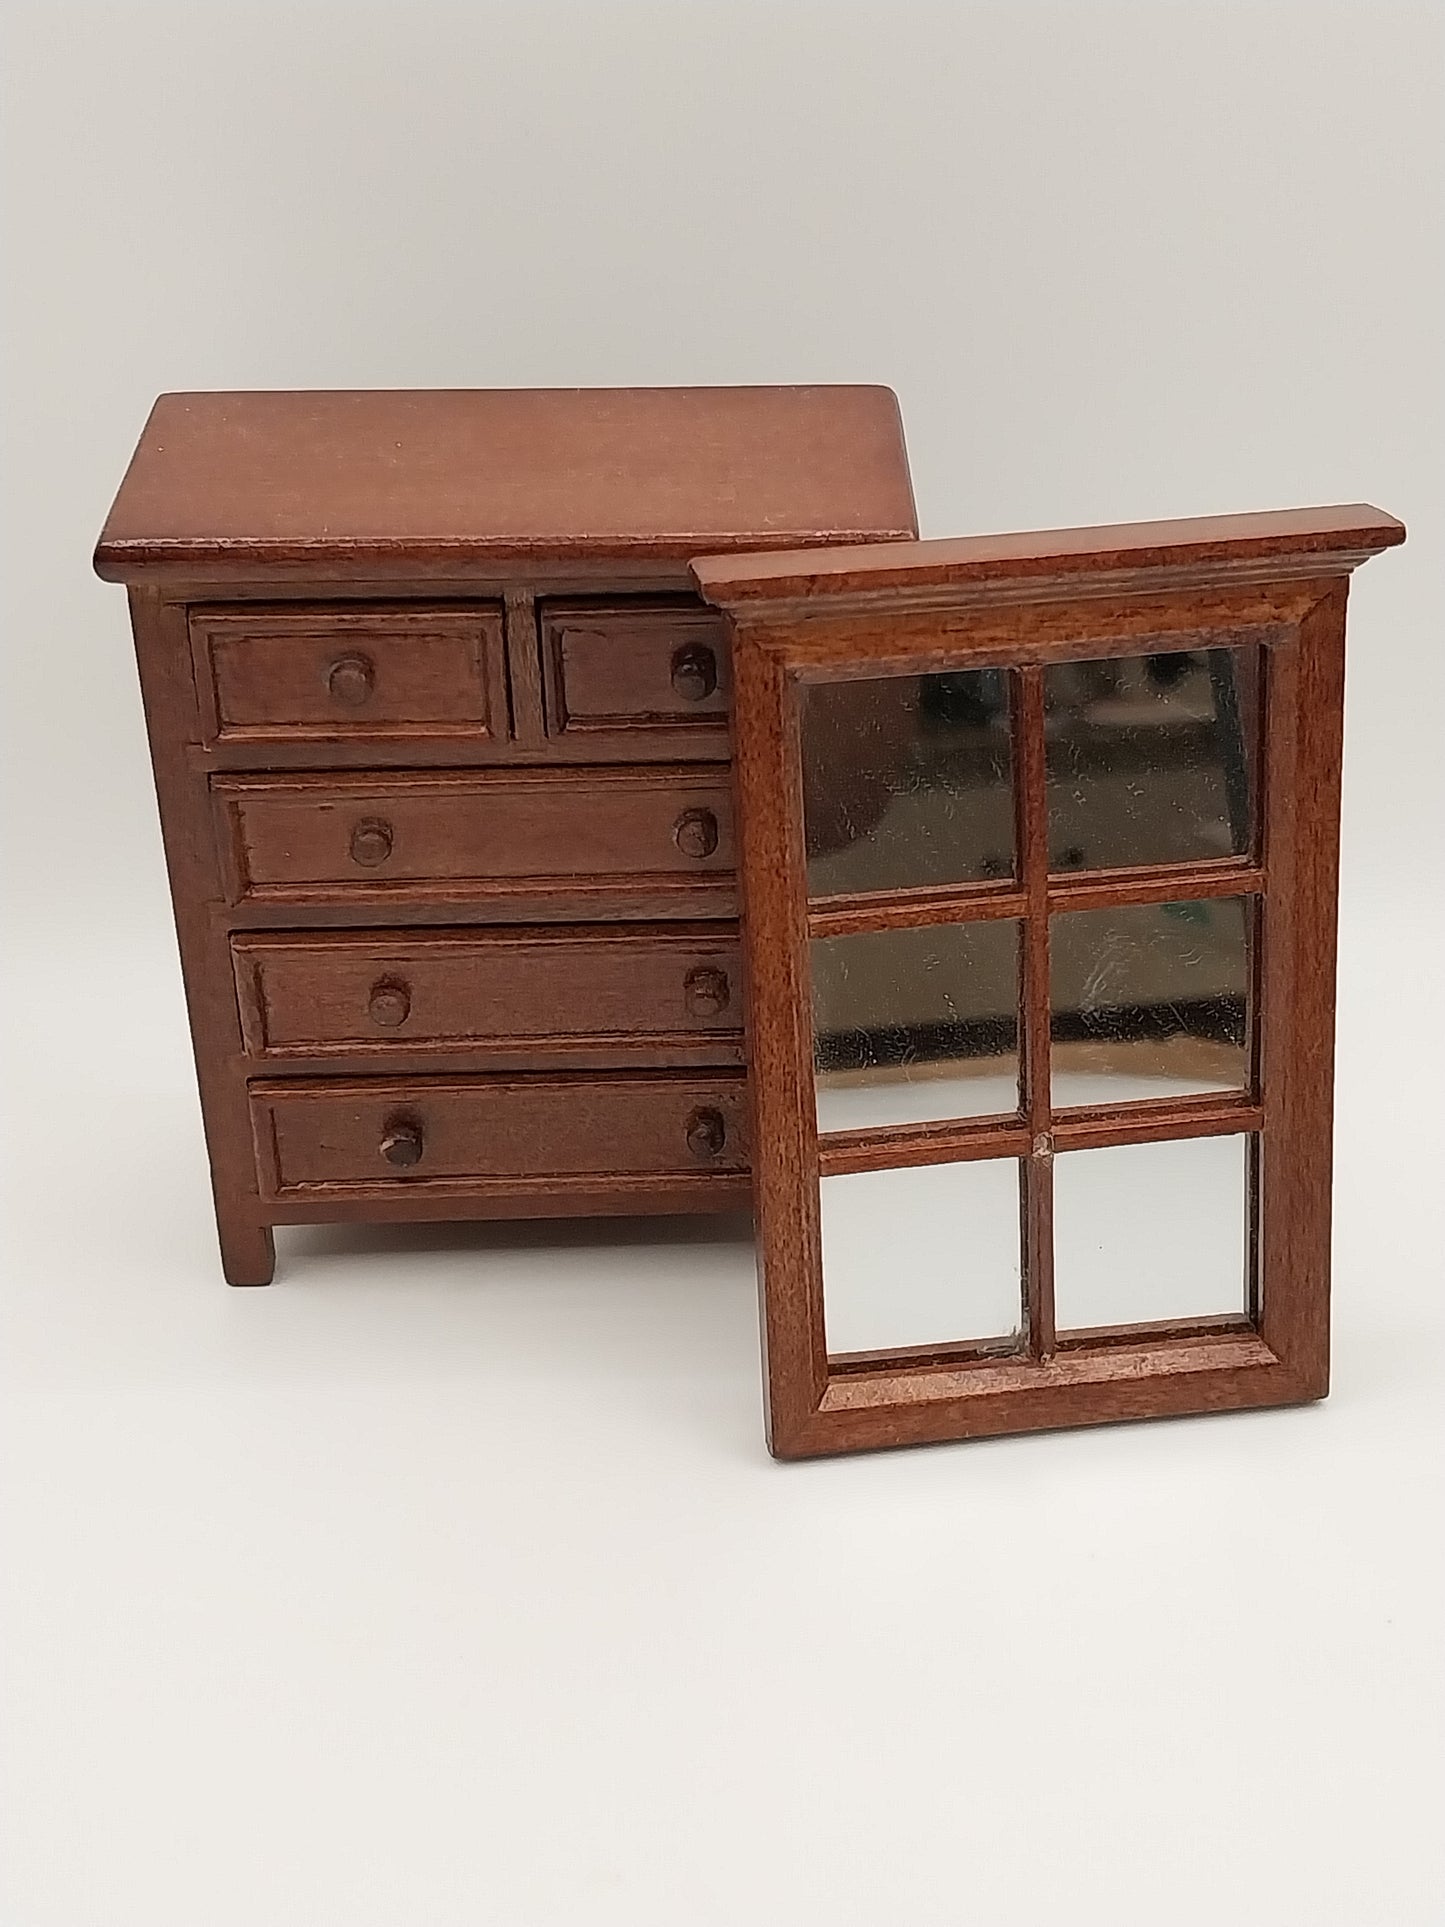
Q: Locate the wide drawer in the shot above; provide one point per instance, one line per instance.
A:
(482, 835)
(566, 993)
(337, 674)
(393, 1134)
(637, 670)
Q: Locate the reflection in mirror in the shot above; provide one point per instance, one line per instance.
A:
(1150, 758)
(924, 1255)
(916, 1024)
(906, 781)
(1149, 1000)
(1151, 1231)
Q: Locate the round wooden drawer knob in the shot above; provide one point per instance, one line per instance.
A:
(371, 843)
(351, 680)
(706, 1133)
(402, 1144)
(694, 673)
(389, 1003)
(695, 833)
(706, 991)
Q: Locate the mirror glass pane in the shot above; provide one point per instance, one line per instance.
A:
(1149, 1000)
(1150, 1231)
(906, 781)
(916, 1024)
(926, 1255)
(1150, 757)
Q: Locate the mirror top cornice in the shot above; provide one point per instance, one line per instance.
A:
(1049, 564)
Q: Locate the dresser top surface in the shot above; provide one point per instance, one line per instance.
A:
(236, 483)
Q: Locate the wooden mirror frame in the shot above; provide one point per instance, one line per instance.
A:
(1020, 602)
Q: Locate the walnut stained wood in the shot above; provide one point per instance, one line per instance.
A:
(655, 670)
(314, 675)
(319, 838)
(368, 485)
(1270, 583)
(604, 995)
(425, 677)
(492, 1131)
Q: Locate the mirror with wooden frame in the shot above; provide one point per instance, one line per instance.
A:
(1039, 852)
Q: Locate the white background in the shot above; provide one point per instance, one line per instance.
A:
(447, 1581)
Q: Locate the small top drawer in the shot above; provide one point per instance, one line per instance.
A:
(651, 670)
(367, 673)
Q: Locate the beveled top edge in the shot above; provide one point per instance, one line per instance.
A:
(326, 559)
(346, 481)
(1348, 534)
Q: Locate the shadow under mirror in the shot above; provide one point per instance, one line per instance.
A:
(924, 1255)
(1150, 758)
(1149, 1001)
(916, 1025)
(1146, 1232)
(907, 781)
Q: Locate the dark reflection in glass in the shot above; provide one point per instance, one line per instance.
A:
(906, 781)
(922, 1255)
(1150, 758)
(1149, 1000)
(1144, 1232)
(916, 1024)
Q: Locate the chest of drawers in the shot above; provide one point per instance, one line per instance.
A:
(440, 740)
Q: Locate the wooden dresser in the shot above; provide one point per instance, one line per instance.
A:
(440, 738)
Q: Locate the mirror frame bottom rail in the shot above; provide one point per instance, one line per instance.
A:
(1092, 1383)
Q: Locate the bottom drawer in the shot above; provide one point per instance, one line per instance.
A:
(459, 1136)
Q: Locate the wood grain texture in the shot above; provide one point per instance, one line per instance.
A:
(642, 898)
(1272, 547)
(917, 905)
(551, 1195)
(404, 483)
(1305, 703)
(320, 1137)
(945, 903)
(597, 995)
(299, 836)
(780, 1042)
(339, 603)
(168, 690)
(1036, 1167)
(1074, 618)
(1277, 582)
(881, 1147)
(1085, 1128)
(619, 671)
(366, 674)
(526, 710)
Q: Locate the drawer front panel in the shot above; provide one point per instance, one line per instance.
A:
(640, 669)
(396, 995)
(394, 1133)
(323, 674)
(478, 833)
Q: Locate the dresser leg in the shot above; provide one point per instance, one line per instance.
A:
(248, 1251)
